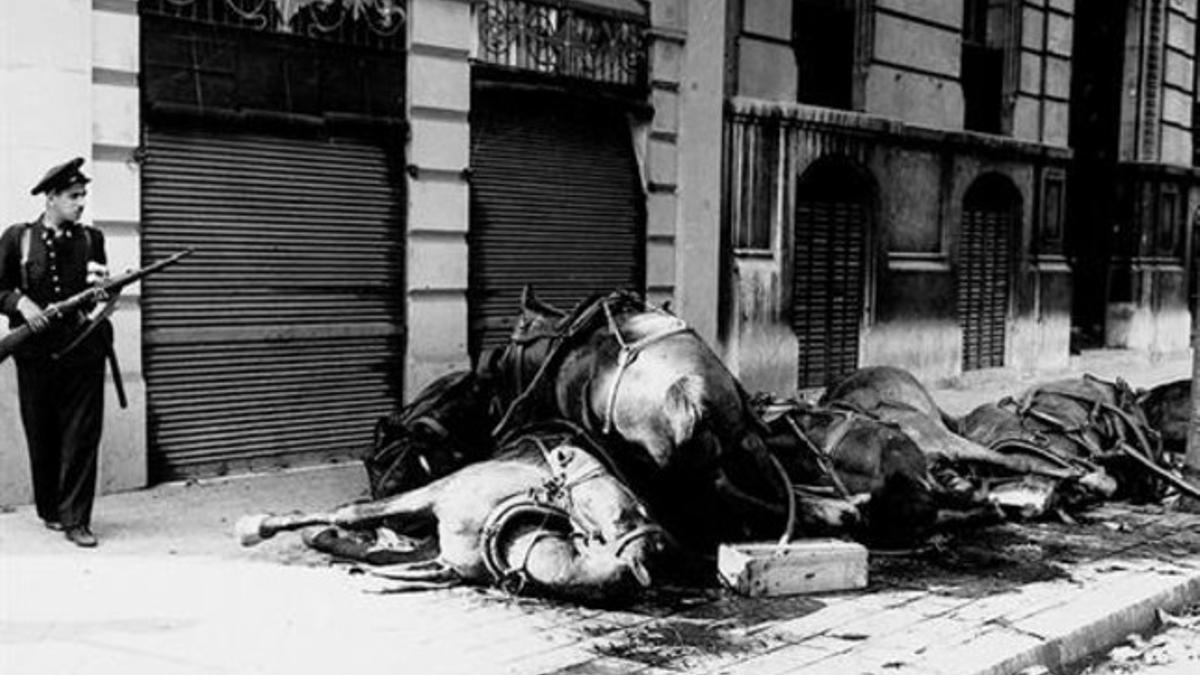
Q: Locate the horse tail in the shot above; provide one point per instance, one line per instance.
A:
(685, 407)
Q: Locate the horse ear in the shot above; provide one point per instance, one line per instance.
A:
(531, 304)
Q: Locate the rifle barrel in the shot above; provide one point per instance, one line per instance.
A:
(14, 338)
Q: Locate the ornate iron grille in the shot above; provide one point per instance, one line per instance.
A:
(555, 37)
(363, 23)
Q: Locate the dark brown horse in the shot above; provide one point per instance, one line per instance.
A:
(895, 395)
(1086, 424)
(542, 517)
(852, 473)
(672, 419)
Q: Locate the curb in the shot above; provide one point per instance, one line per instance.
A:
(1099, 634)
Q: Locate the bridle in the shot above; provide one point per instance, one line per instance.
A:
(586, 530)
(552, 507)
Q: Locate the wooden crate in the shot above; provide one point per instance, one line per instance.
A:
(807, 566)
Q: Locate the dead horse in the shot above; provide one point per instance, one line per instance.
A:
(852, 473)
(672, 418)
(894, 395)
(544, 520)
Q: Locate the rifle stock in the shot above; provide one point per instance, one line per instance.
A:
(16, 337)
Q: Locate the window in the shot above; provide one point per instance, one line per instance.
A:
(982, 65)
(756, 168)
(1052, 206)
(823, 35)
(1169, 221)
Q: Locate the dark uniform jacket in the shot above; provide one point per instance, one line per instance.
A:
(54, 271)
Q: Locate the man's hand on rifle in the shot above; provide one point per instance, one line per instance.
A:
(96, 273)
(32, 314)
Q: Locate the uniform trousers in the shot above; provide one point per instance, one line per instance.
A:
(62, 409)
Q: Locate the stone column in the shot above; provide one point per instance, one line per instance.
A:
(115, 207)
(700, 99)
(439, 77)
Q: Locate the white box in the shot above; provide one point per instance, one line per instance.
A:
(806, 566)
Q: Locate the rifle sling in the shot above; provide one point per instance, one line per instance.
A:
(118, 383)
(109, 306)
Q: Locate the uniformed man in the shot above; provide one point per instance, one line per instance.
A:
(61, 393)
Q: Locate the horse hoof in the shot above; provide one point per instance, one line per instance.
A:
(248, 529)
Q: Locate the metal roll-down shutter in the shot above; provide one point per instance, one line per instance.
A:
(829, 276)
(983, 291)
(555, 202)
(279, 341)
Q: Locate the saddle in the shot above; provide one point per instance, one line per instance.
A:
(437, 433)
(1091, 423)
(523, 370)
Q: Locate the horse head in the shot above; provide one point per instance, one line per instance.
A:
(607, 516)
(1168, 410)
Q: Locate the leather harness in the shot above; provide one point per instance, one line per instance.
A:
(551, 509)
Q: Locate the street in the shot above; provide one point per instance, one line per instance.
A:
(169, 591)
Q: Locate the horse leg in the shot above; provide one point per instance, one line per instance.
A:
(415, 505)
(424, 570)
(417, 576)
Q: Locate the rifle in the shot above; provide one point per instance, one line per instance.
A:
(106, 292)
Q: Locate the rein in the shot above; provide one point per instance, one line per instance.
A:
(1102, 414)
(823, 455)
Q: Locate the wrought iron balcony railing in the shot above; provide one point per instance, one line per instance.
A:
(599, 42)
(365, 23)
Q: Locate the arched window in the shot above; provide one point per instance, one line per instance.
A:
(991, 214)
(831, 262)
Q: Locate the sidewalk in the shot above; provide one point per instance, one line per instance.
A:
(170, 591)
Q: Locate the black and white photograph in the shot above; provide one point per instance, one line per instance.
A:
(600, 337)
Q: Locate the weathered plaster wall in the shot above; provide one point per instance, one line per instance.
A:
(1043, 89)
(911, 318)
(1148, 297)
(915, 64)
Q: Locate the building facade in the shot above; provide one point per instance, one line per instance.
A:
(367, 185)
(1132, 225)
(814, 185)
(899, 200)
